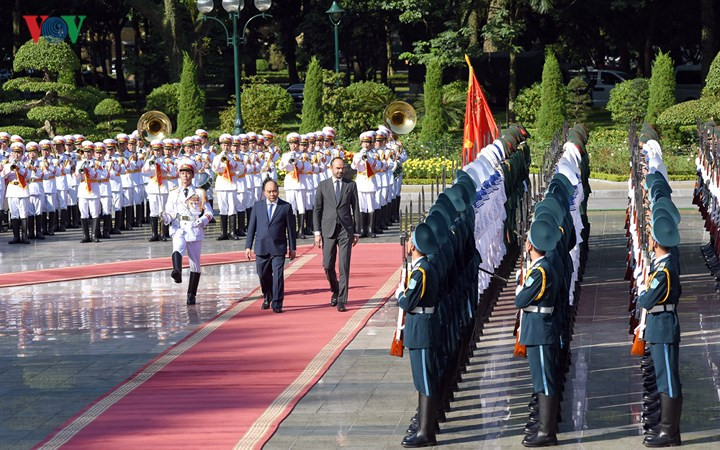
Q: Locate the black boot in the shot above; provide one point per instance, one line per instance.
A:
(3, 220)
(375, 222)
(212, 206)
(308, 222)
(241, 224)
(363, 226)
(669, 435)
(15, 225)
(146, 214)
(86, 231)
(232, 219)
(107, 225)
(95, 233)
(154, 228)
(223, 228)
(192, 287)
(77, 218)
(425, 435)
(301, 221)
(62, 220)
(165, 232)
(176, 273)
(139, 214)
(39, 219)
(545, 435)
(24, 231)
(31, 227)
(48, 224)
(371, 225)
(129, 217)
(115, 228)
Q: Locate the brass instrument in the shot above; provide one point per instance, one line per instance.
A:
(154, 125)
(400, 117)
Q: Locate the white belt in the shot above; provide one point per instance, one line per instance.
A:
(539, 309)
(662, 308)
(423, 310)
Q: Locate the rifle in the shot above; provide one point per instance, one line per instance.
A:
(396, 347)
(519, 349)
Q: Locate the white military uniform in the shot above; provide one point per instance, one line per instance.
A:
(188, 222)
(157, 187)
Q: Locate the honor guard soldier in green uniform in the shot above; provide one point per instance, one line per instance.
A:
(419, 300)
(662, 330)
(538, 332)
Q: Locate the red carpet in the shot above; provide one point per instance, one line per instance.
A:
(231, 382)
(118, 268)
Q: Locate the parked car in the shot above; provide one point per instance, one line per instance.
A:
(688, 82)
(601, 82)
(296, 92)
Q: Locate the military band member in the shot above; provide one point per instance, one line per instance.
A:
(126, 182)
(15, 174)
(662, 330)
(225, 166)
(536, 298)
(293, 165)
(37, 193)
(419, 300)
(157, 187)
(363, 162)
(88, 193)
(115, 170)
(187, 212)
(62, 163)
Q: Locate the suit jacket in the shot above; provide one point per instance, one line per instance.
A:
(272, 238)
(328, 212)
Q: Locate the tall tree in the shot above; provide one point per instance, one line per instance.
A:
(662, 87)
(192, 99)
(434, 124)
(312, 113)
(552, 98)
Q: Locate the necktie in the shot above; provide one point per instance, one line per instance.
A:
(270, 212)
(185, 191)
(337, 190)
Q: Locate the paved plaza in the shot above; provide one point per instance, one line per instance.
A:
(63, 345)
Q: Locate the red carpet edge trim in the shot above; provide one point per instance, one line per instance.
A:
(267, 423)
(73, 426)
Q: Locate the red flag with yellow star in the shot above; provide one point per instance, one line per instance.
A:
(480, 128)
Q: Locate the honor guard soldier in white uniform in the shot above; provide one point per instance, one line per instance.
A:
(115, 170)
(241, 193)
(35, 179)
(106, 208)
(157, 187)
(15, 174)
(137, 157)
(63, 163)
(126, 182)
(292, 164)
(188, 212)
(363, 163)
(51, 172)
(4, 156)
(88, 192)
(225, 191)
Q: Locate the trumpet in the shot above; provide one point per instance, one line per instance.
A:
(13, 167)
(223, 159)
(151, 161)
(364, 157)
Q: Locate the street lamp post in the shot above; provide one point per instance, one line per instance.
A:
(335, 13)
(233, 8)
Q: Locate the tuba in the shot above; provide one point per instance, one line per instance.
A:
(154, 125)
(400, 117)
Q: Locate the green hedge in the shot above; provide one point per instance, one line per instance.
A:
(690, 112)
(165, 98)
(629, 101)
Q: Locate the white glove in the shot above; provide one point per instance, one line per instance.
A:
(198, 222)
(400, 290)
(518, 289)
(166, 218)
(641, 290)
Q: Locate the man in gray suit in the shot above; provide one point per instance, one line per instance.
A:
(336, 217)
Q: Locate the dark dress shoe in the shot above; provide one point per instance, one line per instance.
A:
(265, 305)
(341, 307)
(333, 301)
(277, 310)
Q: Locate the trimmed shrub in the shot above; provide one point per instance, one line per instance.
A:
(263, 105)
(452, 103)
(629, 101)
(108, 108)
(578, 99)
(690, 112)
(312, 112)
(52, 58)
(165, 98)
(192, 99)
(334, 98)
(661, 88)
(712, 80)
(364, 104)
(551, 115)
(87, 97)
(262, 65)
(433, 122)
(28, 133)
(527, 105)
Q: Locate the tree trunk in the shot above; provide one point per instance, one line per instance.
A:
(707, 34)
(119, 69)
(170, 32)
(474, 25)
(647, 48)
(512, 86)
(389, 71)
(105, 55)
(488, 44)
(17, 22)
(136, 51)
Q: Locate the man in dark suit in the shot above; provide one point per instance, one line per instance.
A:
(274, 222)
(336, 217)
